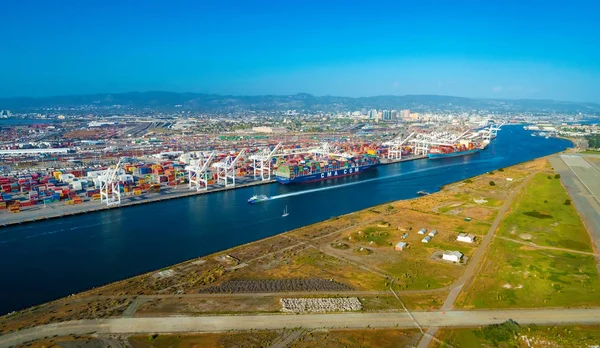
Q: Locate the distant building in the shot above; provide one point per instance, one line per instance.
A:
(406, 115)
(395, 115)
(269, 129)
(401, 246)
(373, 113)
(386, 115)
(467, 238)
(426, 239)
(433, 233)
(422, 231)
(454, 256)
(414, 116)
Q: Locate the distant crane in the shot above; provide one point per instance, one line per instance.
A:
(198, 173)
(262, 162)
(395, 149)
(110, 193)
(325, 149)
(226, 169)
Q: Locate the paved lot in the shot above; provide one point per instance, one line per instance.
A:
(309, 321)
(582, 181)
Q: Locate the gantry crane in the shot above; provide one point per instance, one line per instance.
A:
(395, 146)
(325, 149)
(198, 173)
(262, 162)
(226, 169)
(110, 192)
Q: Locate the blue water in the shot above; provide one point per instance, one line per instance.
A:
(46, 260)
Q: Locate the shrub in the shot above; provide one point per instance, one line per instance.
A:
(501, 333)
(491, 173)
(468, 181)
(557, 176)
(549, 176)
(567, 201)
(500, 169)
(492, 183)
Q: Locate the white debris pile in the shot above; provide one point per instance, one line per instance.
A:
(320, 305)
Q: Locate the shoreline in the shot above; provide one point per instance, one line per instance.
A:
(62, 210)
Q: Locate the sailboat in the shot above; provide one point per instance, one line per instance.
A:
(285, 212)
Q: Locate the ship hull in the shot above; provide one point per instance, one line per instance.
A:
(326, 175)
(452, 154)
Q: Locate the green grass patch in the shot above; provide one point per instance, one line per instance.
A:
(380, 236)
(553, 336)
(516, 276)
(541, 216)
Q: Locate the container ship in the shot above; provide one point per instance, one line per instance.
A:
(462, 149)
(316, 170)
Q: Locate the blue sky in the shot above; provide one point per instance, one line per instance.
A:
(487, 48)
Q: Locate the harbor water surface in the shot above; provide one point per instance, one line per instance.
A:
(46, 260)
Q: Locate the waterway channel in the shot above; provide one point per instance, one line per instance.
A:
(46, 260)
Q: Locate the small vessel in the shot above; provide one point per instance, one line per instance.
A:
(285, 212)
(258, 199)
(423, 193)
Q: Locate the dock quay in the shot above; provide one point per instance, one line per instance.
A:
(57, 210)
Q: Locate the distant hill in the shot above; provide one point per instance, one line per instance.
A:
(301, 102)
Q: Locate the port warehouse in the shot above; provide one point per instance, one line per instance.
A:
(73, 179)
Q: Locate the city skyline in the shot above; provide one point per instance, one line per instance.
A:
(516, 51)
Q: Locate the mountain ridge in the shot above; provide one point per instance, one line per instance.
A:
(164, 100)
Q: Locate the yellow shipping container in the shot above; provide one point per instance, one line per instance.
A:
(371, 152)
(56, 174)
(137, 192)
(96, 196)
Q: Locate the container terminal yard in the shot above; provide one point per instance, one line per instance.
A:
(62, 178)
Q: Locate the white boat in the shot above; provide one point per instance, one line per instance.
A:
(285, 212)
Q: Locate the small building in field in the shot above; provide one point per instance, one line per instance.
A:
(454, 256)
(467, 238)
(422, 231)
(404, 236)
(426, 239)
(433, 233)
(401, 246)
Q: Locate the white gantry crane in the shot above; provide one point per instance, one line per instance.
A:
(110, 193)
(226, 169)
(261, 162)
(198, 172)
(490, 133)
(395, 146)
(325, 149)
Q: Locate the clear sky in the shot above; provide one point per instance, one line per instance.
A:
(485, 48)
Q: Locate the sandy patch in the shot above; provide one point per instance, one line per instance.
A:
(525, 236)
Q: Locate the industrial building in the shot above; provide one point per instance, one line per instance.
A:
(454, 256)
(467, 238)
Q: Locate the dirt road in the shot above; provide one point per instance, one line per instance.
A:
(309, 321)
